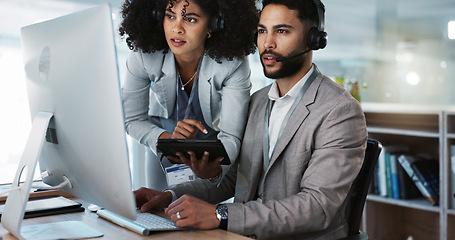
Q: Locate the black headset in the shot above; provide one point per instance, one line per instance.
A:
(218, 21)
(317, 37)
(217, 24)
(157, 15)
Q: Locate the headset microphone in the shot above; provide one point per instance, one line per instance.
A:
(282, 59)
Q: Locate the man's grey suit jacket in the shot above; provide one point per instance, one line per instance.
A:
(317, 158)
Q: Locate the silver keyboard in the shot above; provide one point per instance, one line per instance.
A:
(154, 222)
(144, 223)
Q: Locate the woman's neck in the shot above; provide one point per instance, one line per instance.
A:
(187, 67)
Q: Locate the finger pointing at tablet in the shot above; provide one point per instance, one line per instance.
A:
(188, 128)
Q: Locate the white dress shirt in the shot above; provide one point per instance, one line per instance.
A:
(281, 107)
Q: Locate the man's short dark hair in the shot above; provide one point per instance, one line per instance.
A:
(307, 8)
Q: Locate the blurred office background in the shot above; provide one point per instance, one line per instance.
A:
(395, 51)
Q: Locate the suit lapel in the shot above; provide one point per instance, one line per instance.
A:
(165, 85)
(257, 156)
(253, 168)
(204, 87)
(296, 119)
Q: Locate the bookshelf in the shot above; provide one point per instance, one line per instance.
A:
(449, 171)
(428, 130)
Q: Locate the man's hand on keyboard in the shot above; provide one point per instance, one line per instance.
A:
(148, 199)
(188, 211)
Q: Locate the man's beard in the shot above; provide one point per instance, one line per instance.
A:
(288, 67)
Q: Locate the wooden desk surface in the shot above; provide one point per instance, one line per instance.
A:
(113, 231)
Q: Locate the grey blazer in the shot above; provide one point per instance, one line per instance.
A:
(149, 90)
(310, 173)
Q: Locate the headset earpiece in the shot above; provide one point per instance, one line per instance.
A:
(218, 21)
(157, 15)
(317, 38)
(218, 24)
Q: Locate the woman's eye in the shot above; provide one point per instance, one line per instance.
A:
(260, 31)
(191, 20)
(169, 16)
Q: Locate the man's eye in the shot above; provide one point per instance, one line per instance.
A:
(169, 16)
(260, 31)
(281, 31)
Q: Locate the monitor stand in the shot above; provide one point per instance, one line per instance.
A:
(14, 210)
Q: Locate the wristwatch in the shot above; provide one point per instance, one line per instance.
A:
(222, 215)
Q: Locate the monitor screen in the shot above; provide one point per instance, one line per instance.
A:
(71, 72)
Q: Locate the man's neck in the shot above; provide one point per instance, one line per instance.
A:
(286, 84)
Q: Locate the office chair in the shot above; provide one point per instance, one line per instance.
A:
(359, 191)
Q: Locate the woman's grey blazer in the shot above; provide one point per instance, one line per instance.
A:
(149, 91)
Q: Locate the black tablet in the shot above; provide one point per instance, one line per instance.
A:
(168, 147)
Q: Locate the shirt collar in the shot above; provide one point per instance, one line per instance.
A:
(274, 94)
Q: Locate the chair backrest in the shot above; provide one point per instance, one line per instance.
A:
(361, 184)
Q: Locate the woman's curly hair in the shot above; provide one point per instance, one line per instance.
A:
(143, 26)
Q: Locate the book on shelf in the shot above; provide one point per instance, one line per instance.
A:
(385, 176)
(402, 185)
(388, 174)
(452, 177)
(408, 190)
(424, 173)
(381, 174)
(395, 185)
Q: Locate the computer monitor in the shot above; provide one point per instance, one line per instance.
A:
(76, 106)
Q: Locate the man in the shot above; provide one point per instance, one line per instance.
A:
(311, 132)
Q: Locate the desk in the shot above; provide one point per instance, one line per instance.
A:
(113, 231)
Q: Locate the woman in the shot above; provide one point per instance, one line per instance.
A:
(188, 74)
